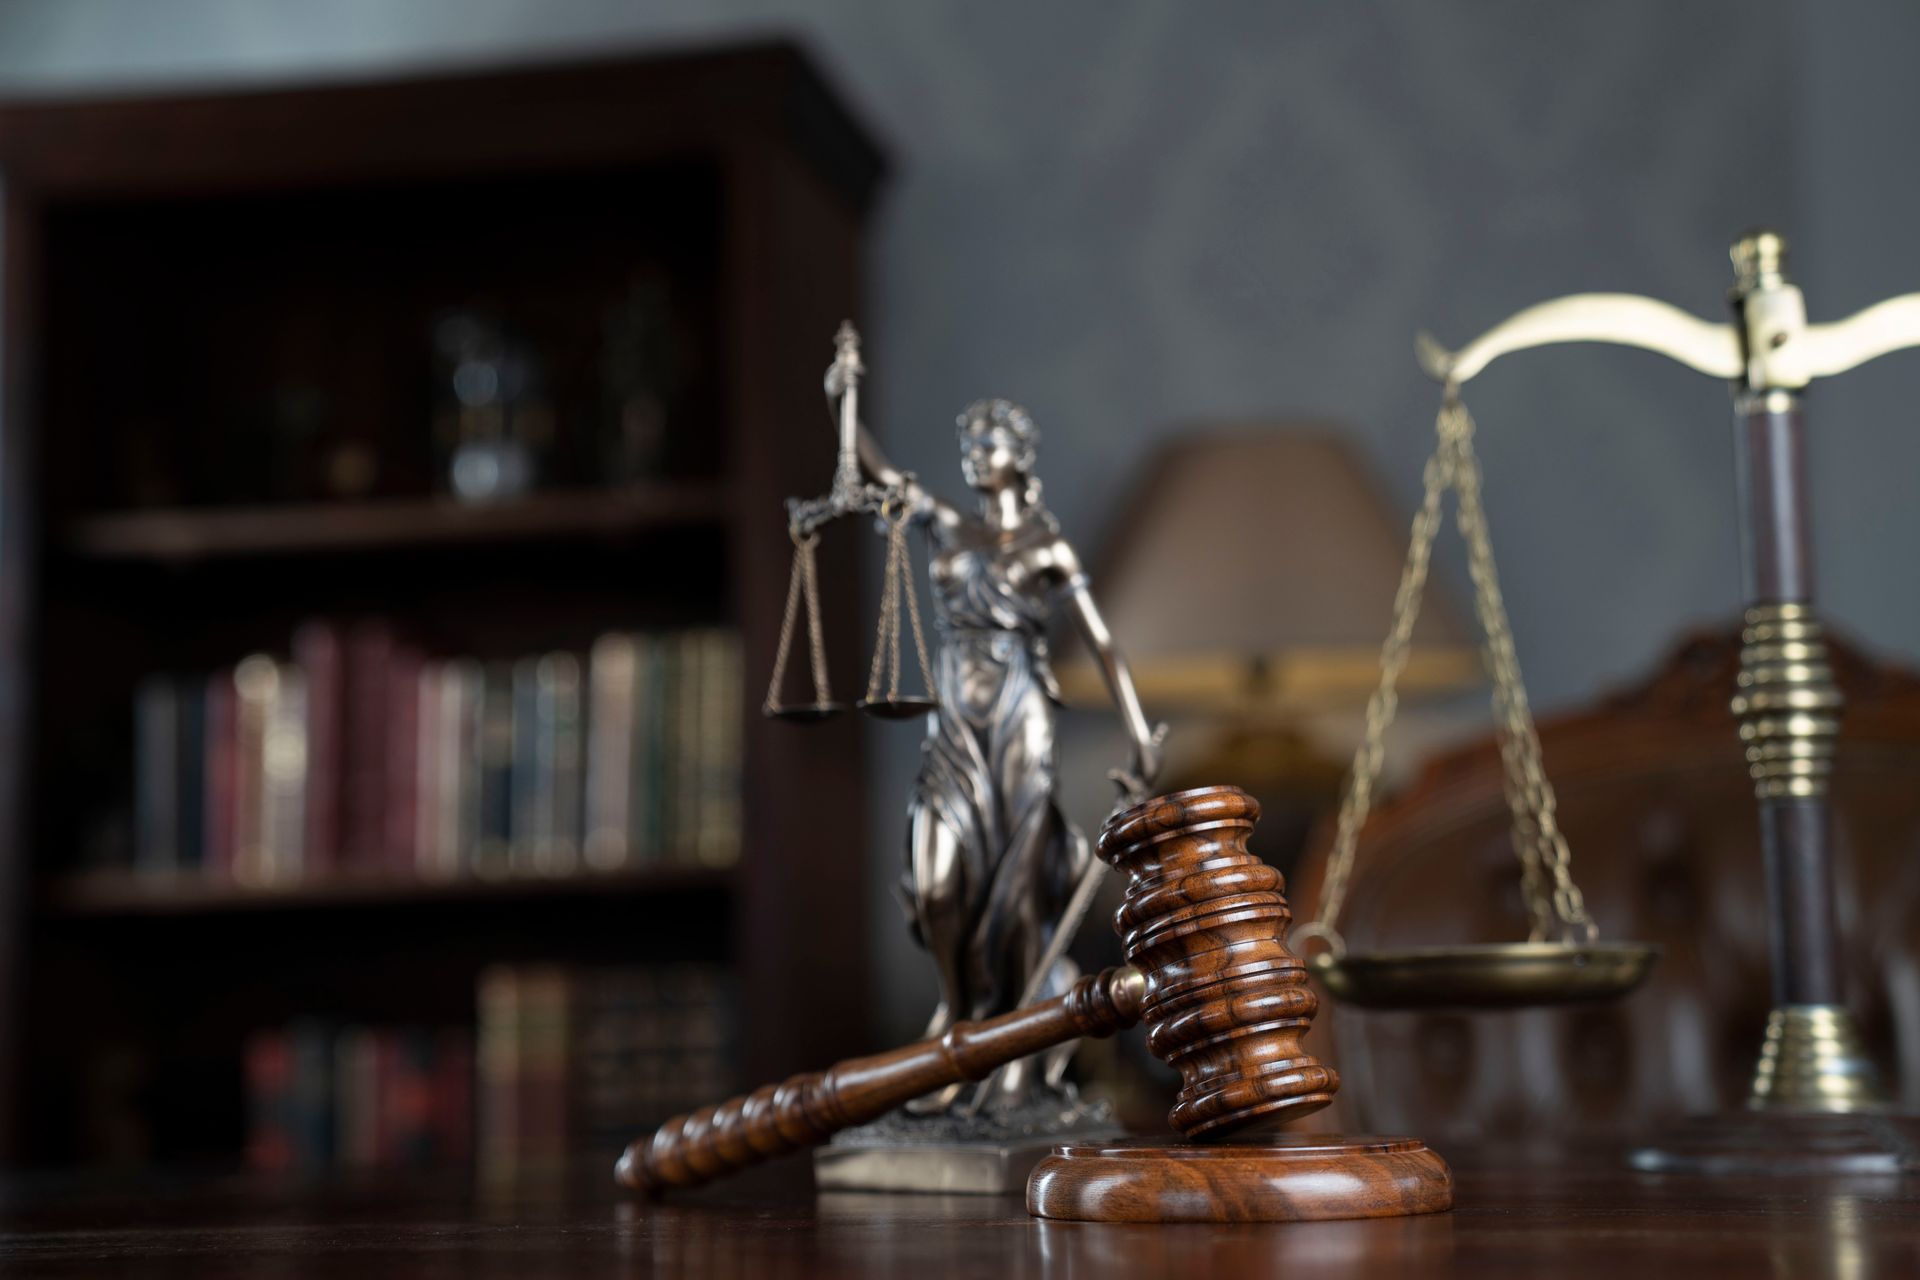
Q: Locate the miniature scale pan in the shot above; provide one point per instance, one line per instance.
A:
(806, 712)
(1486, 976)
(903, 708)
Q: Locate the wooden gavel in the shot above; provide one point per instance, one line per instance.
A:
(1224, 1001)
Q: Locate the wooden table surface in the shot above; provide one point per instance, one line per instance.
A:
(1561, 1218)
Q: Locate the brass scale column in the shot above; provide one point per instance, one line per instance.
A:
(1786, 703)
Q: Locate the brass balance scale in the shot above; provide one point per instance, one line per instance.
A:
(1811, 1062)
(851, 495)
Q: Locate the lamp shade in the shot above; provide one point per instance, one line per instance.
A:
(1256, 568)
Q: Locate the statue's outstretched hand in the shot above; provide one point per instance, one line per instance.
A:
(1137, 779)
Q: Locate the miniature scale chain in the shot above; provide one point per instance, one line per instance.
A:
(1538, 842)
(1536, 826)
(805, 581)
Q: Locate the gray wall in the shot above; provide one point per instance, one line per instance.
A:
(1136, 217)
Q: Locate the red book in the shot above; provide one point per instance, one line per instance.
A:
(385, 1069)
(318, 651)
(426, 770)
(410, 1103)
(369, 663)
(269, 1071)
(402, 809)
(453, 1069)
(218, 855)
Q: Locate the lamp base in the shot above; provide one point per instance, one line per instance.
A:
(1293, 1178)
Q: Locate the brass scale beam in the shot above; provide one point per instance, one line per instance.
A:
(1786, 702)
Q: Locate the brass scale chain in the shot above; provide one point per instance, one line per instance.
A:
(1545, 861)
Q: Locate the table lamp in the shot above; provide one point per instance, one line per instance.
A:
(1249, 582)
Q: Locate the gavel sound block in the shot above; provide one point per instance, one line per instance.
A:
(1225, 1005)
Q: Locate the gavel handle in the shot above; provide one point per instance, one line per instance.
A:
(775, 1119)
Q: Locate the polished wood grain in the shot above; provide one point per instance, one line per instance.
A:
(1225, 1004)
(1293, 1178)
(1573, 1216)
(778, 1118)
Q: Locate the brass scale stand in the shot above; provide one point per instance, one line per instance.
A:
(1816, 1103)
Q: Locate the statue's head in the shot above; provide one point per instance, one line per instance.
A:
(998, 442)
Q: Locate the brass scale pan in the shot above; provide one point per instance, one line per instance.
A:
(1494, 975)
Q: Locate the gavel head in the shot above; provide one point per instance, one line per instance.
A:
(1226, 1003)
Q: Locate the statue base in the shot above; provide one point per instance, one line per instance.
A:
(989, 1154)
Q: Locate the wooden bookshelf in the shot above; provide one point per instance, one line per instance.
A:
(184, 534)
(207, 302)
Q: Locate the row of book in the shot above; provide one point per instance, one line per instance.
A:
(567, 1059)
(575, 1058)
(362, 754)
(320, 1095)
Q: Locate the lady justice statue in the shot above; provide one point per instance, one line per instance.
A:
(991, 861)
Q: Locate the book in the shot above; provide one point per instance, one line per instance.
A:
(310, 1114)
(369, 656)
(656, 673)
(686, 727)
(498, 1055)
(427, 773)
(191, 780)
(716, 835)
(611, 683)
(218, 799)
(156, 771)
(319, 651)
(268, 1067)
(491, 852)
(356, 1058)
(254, 680)
(283, 787)
(452, 1095)
(399, 849)
(531, 819)
(456, 756)
(561, 760)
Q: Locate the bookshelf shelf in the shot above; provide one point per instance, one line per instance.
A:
(185, 534)
(120, 894)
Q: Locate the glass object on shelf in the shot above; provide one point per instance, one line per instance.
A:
(636, 359)
(493, 417)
